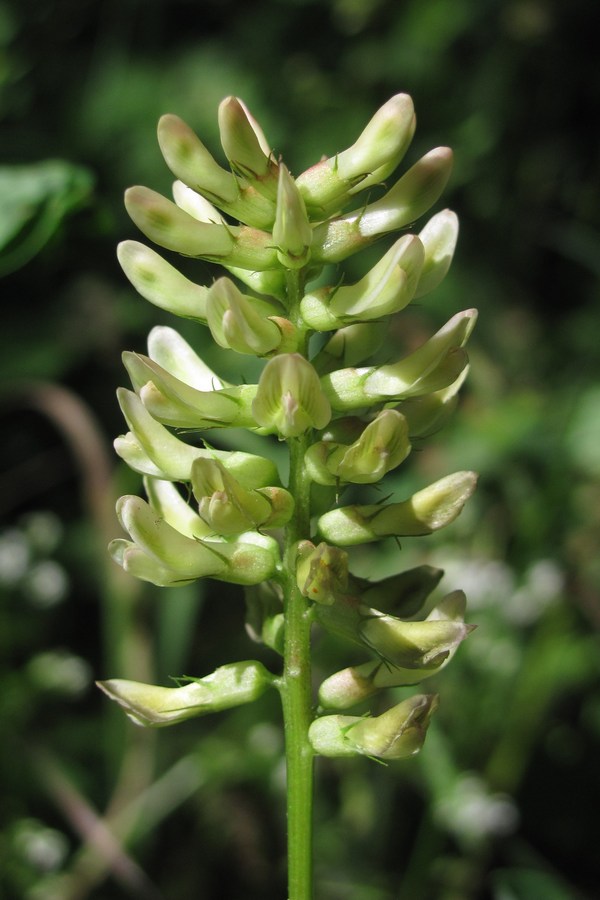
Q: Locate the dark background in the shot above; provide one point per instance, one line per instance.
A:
(502, 802)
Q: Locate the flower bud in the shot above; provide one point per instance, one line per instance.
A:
(328, 185)
(189, 160)
(229, 685)
(292, 234)
(173, 402)
(381, 145)
(139, 564)
(246, 561)
(243, 143)
(321, 572)
(416, 367)
(152, 450)
(289, 399)
(170, 227)
(349, 686)
(167, 225)
(420, 648)
(228, 508)
(439, 238)
(433, 366)
(408, 651)
(245, 324)
(396, 734)
(382, 446)
(387, 288)
(426, 511)
(411, 196)
(160, 283)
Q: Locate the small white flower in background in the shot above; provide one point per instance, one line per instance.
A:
(46, 584)
(471, 812)
(45, 849)
(60, 671)
(15, 556)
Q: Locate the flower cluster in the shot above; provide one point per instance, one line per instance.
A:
(355, 420)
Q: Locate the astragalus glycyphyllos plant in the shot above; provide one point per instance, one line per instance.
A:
(226, 515)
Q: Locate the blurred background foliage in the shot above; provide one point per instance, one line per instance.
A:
(502, 802)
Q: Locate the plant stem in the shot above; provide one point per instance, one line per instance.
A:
(296, 688)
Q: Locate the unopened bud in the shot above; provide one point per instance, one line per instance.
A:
(418, 647)
(160, 283)
(411, 196)
(243, 143)
(386, 289)
(426, 511)
(439, 238)
(167, 225)
(189, 160)
(433, 366)
(173, 402)
(408, 651)
(150, 705)
(292, 234)
(327, 186)
(153, 450)
(396, 734)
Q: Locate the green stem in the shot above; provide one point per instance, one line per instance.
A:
(296, 687)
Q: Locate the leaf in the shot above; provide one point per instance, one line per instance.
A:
(34, 200)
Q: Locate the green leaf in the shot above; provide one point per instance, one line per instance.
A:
(34, 200)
